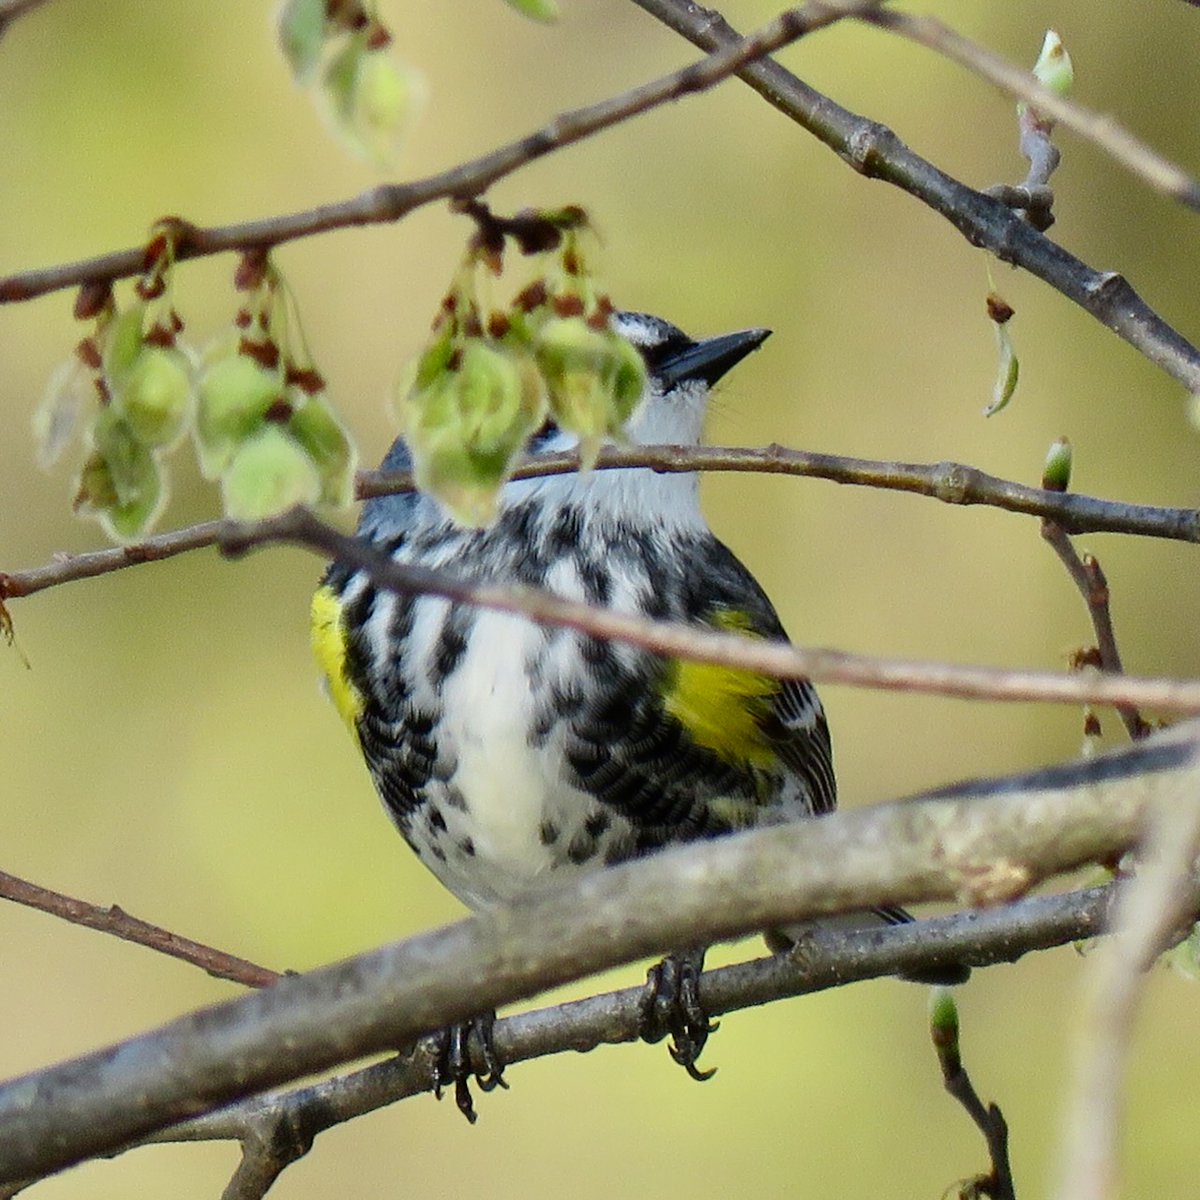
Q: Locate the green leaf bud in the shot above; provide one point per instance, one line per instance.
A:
(1054, 68)
(269, 472)
(156, 398)
(1056, 476)
(943, 1028)
(235, 394)
(315, 426)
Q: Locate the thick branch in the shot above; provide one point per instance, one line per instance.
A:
(984, 843)
(277, 1129)
(878, 153)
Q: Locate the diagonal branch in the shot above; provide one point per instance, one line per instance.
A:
(120, 924)
(1103, 131)
(983, 843)
(875, 151)
(393, 201)
(779, 660)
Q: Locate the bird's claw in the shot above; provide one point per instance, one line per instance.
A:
(670, 1006)
(453, 1065)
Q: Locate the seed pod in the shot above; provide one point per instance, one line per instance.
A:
(321, 435)
(156, 398)
(235, 394)
(269, 472)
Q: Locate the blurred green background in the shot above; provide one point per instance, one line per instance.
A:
(169, 751)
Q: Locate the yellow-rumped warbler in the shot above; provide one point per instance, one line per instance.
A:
(508, 753)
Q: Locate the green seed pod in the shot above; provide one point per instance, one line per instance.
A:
(156, 398)
(235, 394)
(123, 342)
(466, 430)
(592, 379)
(316, 428)
(130, 462)
(269, 472)
(125, 512)
(302, 36)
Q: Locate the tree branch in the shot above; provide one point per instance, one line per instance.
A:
(277, 1129)
(779, 660)
(952, 483)
(12, 10)
(875, 151)
(1088, 576)
(392, 201)
(1151, 909)
(983, 843)
(120, 924)
(1152, 168)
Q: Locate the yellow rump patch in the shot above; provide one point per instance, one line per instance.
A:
(723, 708)
(329, 646)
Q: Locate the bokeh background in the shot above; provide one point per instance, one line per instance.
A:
(168, 749)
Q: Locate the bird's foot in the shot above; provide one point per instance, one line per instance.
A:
(670, 1006)
(453, 1064)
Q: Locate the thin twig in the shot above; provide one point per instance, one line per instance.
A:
(875, 151)
(778, 660)
(120, 924)
(12, 10)
(1152, 168)
(1089, 578)
(988, 1119)
(950, 482)
(980, 844)
(1151, 908)
(391, 202)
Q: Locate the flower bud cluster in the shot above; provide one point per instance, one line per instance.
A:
(129, 387)
(486, 382)
(341, 51)
(264, 426)
(253, 403)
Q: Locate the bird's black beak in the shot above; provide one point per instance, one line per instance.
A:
(709, 359)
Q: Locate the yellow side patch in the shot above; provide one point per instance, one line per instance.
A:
(723, 708)
(329, 646)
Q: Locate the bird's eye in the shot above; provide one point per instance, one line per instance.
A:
(545, 432)
(661, 353)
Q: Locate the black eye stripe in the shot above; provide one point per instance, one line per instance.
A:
(665, 351)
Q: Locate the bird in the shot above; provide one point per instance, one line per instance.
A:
(511, 755)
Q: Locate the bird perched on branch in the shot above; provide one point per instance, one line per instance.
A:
(509, 753)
